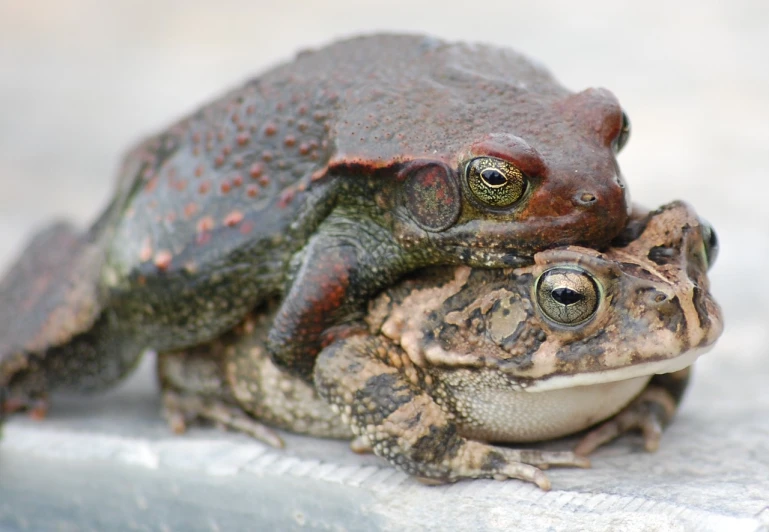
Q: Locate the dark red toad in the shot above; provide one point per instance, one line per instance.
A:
(321, 181)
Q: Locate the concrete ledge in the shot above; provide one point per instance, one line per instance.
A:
(110, 463)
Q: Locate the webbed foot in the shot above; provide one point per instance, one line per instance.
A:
(36, 408)
(26, 391)
(650, 412)
(180, 409)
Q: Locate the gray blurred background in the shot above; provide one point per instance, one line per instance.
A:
(82, 80)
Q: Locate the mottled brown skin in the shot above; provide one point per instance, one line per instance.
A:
(456, 358)
(233, 381)
(321, 182)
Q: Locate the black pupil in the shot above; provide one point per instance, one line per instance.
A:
(712, 239)
(567, 296)
(493, 177)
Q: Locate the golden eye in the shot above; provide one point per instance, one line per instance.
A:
(567, 296)
(495, 182)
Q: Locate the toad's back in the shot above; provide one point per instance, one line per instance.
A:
(218, 203)
(240, 169)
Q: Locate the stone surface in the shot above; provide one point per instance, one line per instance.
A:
(82, 80)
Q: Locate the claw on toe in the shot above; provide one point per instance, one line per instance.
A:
(526, 473)
(542, 481)
(361, 445)
(582, 462)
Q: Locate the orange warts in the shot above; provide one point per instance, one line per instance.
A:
(256, 170)
(233, 219)
(163, 259)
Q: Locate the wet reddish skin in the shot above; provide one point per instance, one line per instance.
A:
(374, 103)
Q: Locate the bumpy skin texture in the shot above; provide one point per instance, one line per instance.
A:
(323, 181)
(234, 374)
(455, 358)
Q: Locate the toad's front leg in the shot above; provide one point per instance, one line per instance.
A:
(650, 413)
(377, 390)
(348, 259)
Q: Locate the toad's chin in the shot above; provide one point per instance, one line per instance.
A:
(643, 369)
(500, 410)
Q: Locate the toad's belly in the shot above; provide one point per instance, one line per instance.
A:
(506, 415)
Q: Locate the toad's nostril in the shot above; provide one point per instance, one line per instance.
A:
(662, 302)
(585, 198)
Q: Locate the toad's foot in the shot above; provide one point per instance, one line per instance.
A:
(386, 402)
(180, 409)
(650, 412)
(37, 408)
(26, 392)
(501, 463)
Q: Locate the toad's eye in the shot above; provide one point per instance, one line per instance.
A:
(623, 135)
(495, 182)
(711, 242)
(567, 296)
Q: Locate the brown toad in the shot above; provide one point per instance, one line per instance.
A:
(457, 357)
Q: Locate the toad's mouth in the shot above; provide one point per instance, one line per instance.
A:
(643, 369)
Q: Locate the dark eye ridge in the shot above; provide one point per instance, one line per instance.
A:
(566, 296)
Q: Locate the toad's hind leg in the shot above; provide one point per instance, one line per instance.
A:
(57, 328)
(650, 413)
(47, 297)
(51, 293)
(375, 388)
(194, 388)
(234, 383)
